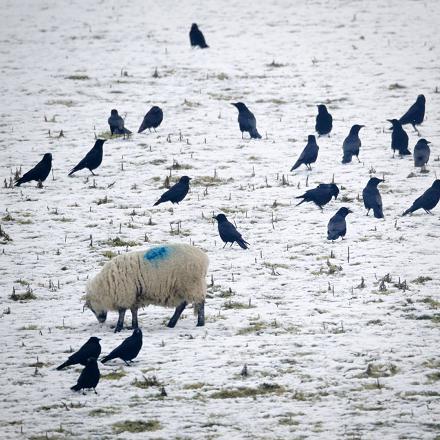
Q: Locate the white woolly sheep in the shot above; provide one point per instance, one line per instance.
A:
(171, 275)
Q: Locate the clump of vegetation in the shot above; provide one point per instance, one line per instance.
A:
(26, 296)
(118, 242)
(421, 280)
(103, 201)
(109, 254)
(4, 237)
(78, 77)
(114, 375)
(136, 426)
(147, 382)
(264, 388)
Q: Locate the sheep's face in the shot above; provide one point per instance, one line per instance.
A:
(96, 308)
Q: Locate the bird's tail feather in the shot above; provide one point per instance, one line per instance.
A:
(242, 243)
(302, 201)
(255, 135)
(347, 158)
(75, 387)
(65, 364)
(378, 212)
(409, 210)
(297, 164)
(158, 202)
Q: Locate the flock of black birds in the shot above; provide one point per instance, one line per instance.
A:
(88, 354)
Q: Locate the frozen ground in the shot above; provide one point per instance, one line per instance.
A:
(328, 356)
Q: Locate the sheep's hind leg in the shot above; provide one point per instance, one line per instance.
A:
(120, 323)
(179, 309)
(200, 314)
(134, 318)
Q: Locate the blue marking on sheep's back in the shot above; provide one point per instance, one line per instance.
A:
(157, 254)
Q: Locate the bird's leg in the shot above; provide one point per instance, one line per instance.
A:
(134, 317)
(92, 172)
(368, 211)
(84, 392)
(179, 309)
(126, 363)
(120, 323)
(242, 135)
(94, 389)
(231, 244)
(154, 130)
(200, 314)
(225, 244)
(358, 159)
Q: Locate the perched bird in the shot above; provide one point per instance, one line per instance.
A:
(372, 198)
(196, 37)
(399, 138)
(352, 144)
(152, 119)
(129, 348)
(228, 232)
(246, 120)
(428, 200)
(92, 159)
(39, 172)
(421, 153)
(177, 192)
(324, 121)
(308, 155)
(415, 113)
(91, 349)
(89, 376)
(320, 195)
(337, 227)
(117, 124)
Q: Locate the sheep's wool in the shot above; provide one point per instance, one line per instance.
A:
(163, 275)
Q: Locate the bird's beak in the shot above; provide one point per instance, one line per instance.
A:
(350, 211)
(428, 142)
(362, 126)
(234, 104)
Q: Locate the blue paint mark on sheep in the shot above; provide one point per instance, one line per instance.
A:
(158, 254)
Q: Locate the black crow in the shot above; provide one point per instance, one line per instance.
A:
(196, 37)
(308, 155)
(117, 124)
(352, 144)
(246, 121)
(324, 121)
(320, 195)
(372, 198)
(399, 138)
(428, 200)
(415, 113)
(177, 192)
(152, 119)
(337, 227)
(92, 159)
(129, 348)
(91, 349)
(228, 232)
(39, 172)
(421, 153)
(89, 376)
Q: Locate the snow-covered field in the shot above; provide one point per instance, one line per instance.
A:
(328, 355)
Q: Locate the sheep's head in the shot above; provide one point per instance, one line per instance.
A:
(97, 309)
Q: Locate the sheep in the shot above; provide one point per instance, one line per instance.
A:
(170, 275)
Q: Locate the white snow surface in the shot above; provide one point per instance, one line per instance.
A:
(343, 361)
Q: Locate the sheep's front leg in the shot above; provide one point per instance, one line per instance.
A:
(134, 318)
(179, 309)
(200, 314)
(120, 323)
